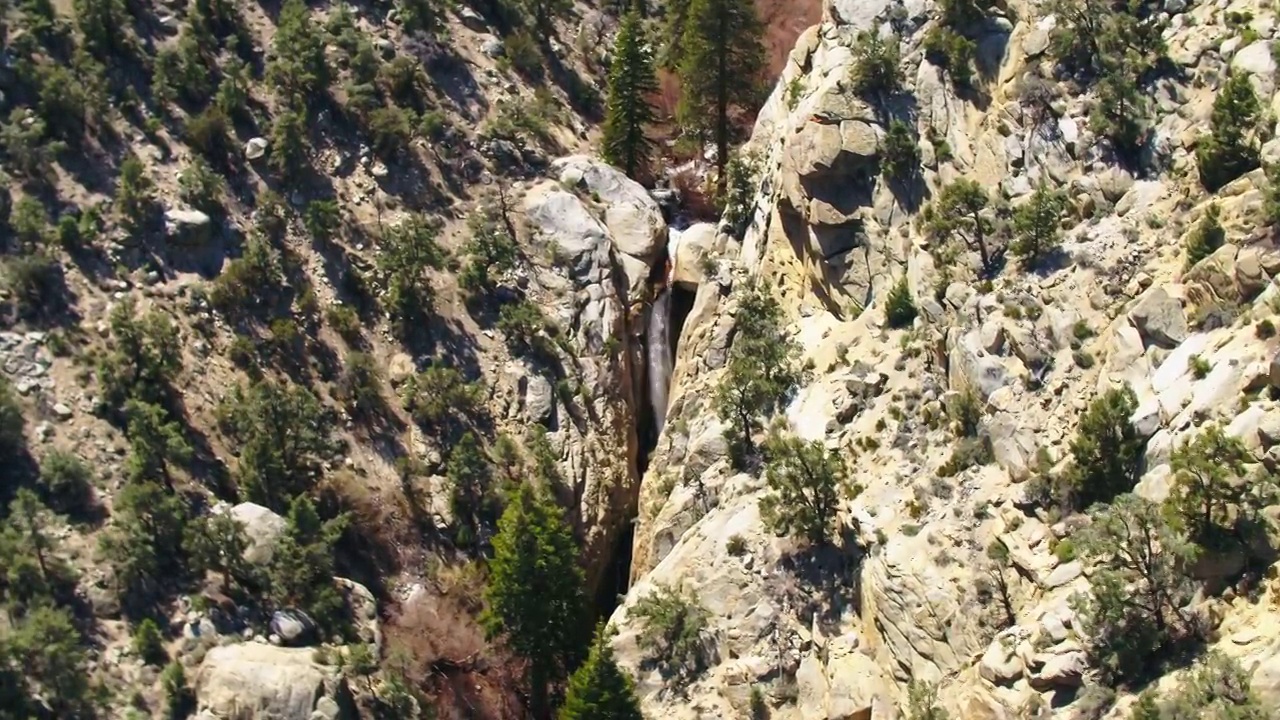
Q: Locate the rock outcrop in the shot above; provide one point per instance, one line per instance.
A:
(252, 680)
(905, 595)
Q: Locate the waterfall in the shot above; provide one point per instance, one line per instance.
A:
(658, 346)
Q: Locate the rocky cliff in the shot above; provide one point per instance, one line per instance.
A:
(840, 634)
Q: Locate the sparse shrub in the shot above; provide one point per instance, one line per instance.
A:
(133, 191)
(1198, 366)
(289, 146)
(322, 218)
(360, 385)
(29, 223)
(248, 282)
(35, 282)
(490, 251)
(922, 702)
(523, 53)
(440, 397)
(406, 253)
(344, 321)
(178, 696)
(968, 452)
(672, 634)
(1265, 329)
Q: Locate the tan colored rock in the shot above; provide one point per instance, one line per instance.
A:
(249, 681)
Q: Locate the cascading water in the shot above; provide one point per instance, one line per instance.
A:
(658, 346)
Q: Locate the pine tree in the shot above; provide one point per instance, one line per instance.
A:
(1036, 223)
(807, 482)
(761, 372)
(544, 11)
(675, 20)
(1207, 236)
(598, 689)
(1209, 482)
(1231, 150)
(534, 596)
(900, 309)
(627, 112)
(1107, 449)
(959, 212)
(720, 68)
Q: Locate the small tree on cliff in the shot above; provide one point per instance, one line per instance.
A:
(807, 481)
(599, 689)
(720, 67)
(959, 213)
(761, 372)
(628, 111)
(535, 597)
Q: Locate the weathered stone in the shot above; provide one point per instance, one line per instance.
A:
(538, 400)
(471, 19)
(1159, 319)
(252, 680)
(188, 227)
(255, 148)
(1000, 665)
(1060, 671)
(1063, 574)
(294, 627)
(262, 527)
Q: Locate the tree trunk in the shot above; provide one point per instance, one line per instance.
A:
(982, 243)
(722, 111)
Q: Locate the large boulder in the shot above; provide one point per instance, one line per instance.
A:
(293, 627)
(249, 681)
(263, 529)
(1159, 319)
(693, 249)
(632, 216)
(1065, 670)
(188, 227)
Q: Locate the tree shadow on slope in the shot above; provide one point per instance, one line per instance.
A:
(827, 578)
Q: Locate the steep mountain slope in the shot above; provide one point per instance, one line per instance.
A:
(906, 596)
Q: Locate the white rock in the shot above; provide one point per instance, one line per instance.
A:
(256, 148)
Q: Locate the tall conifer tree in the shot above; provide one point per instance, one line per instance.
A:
(631, 80)
(599, 690)
(535, 597)
(720, 68)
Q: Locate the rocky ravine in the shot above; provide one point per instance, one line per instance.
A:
(844, 640)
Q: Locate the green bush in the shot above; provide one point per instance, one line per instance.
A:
(524, 327)
(1107, 450)
(1037, 224)
(876, 64)
(67, 480)
(900, 153)
(344, 321)
(952, 52)
(673, 624)
(29, 223)
(1199, 367)
(440, 396)
(390, 132)
(208, 133)
(523, 53)
(178, 697)
(1265, 329)
(1121, 114)
(900, 308)
(148, 643)
(1232, 148)
(201, 187)
(35, 283)
(1206, 238)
